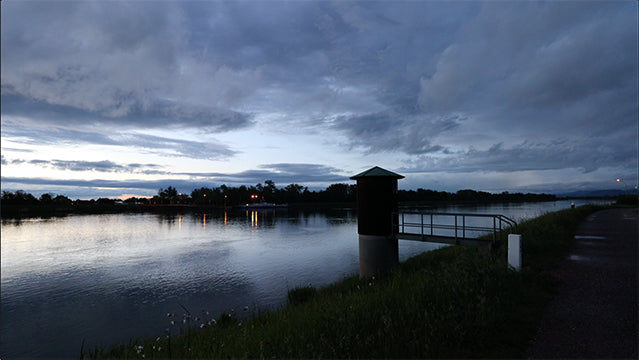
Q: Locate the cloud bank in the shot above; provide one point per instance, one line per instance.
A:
(421, 87)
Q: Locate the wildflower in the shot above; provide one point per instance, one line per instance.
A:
(202, 326)
(172, 322)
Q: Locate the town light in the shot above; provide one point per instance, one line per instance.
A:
(625, 186)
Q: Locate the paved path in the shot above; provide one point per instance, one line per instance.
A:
(594, 314)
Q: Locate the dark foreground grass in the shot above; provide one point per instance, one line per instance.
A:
(455, 302)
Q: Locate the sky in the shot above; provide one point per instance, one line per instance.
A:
(108, 98)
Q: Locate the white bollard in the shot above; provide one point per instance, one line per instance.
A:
(514, 251)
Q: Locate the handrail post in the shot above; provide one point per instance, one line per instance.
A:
(456, 241)
(464, 226)
(421, 231)
(431, 224)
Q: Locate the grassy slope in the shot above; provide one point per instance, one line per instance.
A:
(454, 302)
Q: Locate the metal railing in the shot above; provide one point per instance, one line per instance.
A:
(455, 226)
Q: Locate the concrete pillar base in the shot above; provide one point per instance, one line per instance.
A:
(377, 254)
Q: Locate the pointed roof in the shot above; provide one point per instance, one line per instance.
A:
(377, 172)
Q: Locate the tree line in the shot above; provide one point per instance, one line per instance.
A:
(267, 192)
(423, 195)
(226, 196)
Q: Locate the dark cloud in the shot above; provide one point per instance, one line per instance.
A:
(537, 58)
(33, 133)
(100, 166)
(53, 135)
(561, 153)
(178, 147)
(111, 64)
(521, 72)
(284, 173)
(395, 131)
(158, 114)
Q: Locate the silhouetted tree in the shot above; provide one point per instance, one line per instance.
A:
(168, 196)
(293, 193)
(46, 199)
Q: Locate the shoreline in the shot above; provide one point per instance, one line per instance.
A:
(9, 211)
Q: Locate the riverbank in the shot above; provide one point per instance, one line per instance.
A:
(453, 302)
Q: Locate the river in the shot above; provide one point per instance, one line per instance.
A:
(104, 279)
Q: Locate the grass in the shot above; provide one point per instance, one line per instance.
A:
(455, 302)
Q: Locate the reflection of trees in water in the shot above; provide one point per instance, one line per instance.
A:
(261, 218)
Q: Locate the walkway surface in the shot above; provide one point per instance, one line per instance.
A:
(594, 314)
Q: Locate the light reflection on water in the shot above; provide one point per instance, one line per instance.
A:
(110, 278)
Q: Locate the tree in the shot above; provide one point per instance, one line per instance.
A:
(62, 200)
(293, 192)
(170, 192)
(170, 195)
(20, 197)
(46, 199)
(269, 190)
(340, 192)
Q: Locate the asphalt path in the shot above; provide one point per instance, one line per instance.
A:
(594, 314)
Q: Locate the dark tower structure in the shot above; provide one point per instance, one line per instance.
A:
(376, 203)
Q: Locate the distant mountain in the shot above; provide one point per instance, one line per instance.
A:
(595, 193)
